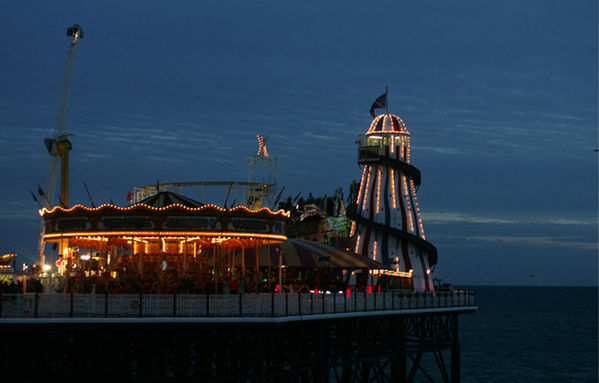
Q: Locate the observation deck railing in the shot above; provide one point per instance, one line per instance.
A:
(224, 305)
(366, 153)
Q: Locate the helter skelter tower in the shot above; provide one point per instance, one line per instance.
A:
(387, 225)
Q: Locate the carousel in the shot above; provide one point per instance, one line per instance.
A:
(165, 243)
(169, 243)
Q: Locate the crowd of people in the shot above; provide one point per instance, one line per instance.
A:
(156, 281)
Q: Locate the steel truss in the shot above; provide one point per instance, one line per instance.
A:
(391, 348)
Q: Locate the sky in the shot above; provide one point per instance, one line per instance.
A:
(500, 99)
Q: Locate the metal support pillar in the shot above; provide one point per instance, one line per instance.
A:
(321, 370)
(455, 353)
(386, 348)
(399, 364)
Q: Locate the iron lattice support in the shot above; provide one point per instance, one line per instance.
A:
(398, 348)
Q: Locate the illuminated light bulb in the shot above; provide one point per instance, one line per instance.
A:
(408, 206)
(262, 150)
(357, 247)
(374, 254)
(393, 190)
(44, 210)
(366, 188)
(378, 187)
(362, 183)
(150, 234)
(420, 227)
(352, 230)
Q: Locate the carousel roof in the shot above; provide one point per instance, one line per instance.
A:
(167, 214)
(6, 259)
(167, 198)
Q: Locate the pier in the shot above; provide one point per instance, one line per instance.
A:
(173, 288)
(340, 337)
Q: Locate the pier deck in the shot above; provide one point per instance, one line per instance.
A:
(288, 306)
(380, 337)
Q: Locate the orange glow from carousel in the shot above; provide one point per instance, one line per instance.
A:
(158, 234)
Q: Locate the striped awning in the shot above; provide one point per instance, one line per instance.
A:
(308, 254)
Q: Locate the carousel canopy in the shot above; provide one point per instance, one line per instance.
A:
(164, 215)
(7, 259)
(166, 198)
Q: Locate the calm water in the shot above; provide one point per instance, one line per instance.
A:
(531, 334)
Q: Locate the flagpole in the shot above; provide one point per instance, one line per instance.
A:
(387, 99)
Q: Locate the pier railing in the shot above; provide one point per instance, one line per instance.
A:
(222, 305)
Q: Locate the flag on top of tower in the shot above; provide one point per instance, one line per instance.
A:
(379, 103)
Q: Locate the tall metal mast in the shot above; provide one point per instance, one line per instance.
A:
(59, 146)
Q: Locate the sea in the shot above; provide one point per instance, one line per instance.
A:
(521, 334)
(530, 334)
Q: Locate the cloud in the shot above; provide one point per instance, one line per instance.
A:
(506, 230)
(441, 218)
(18, 209)
(18, 214)
(435, 218)
(441, 150)
(562, 116)
(537, 241)
(95, 155)
(321, 137)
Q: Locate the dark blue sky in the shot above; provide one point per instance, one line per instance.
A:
(500, 99)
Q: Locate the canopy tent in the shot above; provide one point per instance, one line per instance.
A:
(306, 254)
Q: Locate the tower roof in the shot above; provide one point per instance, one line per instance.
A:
(387, 123)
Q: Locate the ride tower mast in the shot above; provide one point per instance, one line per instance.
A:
(59, 146)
